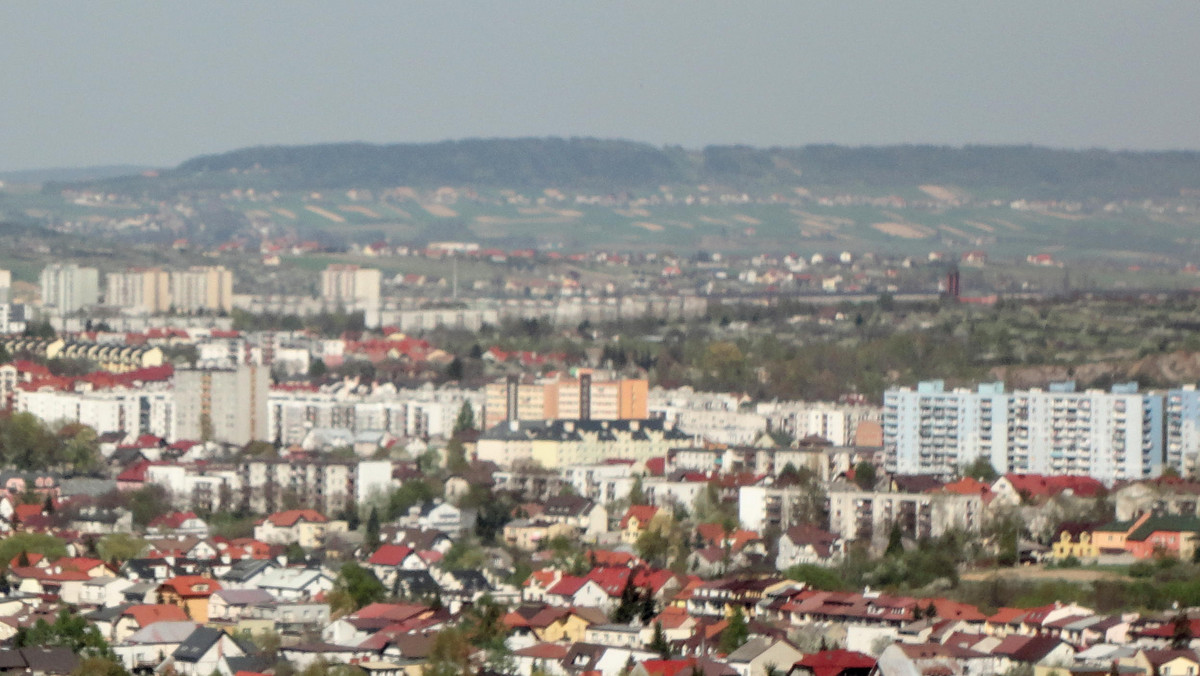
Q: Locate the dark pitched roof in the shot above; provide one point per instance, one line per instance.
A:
(567, 505)
(197, 644)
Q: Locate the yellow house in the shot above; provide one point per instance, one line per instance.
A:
(1074, 539)
(635, 522)
(570, 626)
(189, 592)
(1167, 662)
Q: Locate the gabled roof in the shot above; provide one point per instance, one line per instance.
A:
(172, 631)
(287, 519)
(390, 555)
(834, 662)
(1027, 648)
(199, 642)
(191, 586)
(147, 614)
(643, 513)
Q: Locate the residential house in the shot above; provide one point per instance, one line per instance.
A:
(386, 560)
(189, 592)
(833, 663)
(146, 648)
(295, 584)
(762, 656)
(204, 652)
(808, 544)
(305, 527)
(637, 518)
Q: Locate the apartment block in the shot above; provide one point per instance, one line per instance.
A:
(68, 288)
(351, 286)
(1111, 436)
(561, 443)
(202, 289)
(582, 398)
(140, 291)
(869, 515)
(328, 486)
(226, 405)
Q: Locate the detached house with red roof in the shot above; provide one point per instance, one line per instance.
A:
(637, 518)
(306, 527)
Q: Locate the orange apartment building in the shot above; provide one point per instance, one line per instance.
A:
(581, 398)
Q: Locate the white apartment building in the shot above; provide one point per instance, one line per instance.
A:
(202, 288)
(418, 413)
(133, 412)
(227, 405)
(139, 291)
(328, 486)
(351, 286)
(68, 288)
(857, 514)
(1111, 436)
(800, 419)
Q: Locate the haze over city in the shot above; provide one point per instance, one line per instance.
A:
(154, 84)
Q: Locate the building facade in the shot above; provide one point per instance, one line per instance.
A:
(68, 288)
(227, 405)
(1111, 436)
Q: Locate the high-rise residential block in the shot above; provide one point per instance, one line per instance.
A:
(1111, 436)
(68, 288)
(227, 405)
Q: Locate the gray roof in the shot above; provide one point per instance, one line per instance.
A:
(243, 597)
(197, 644)
(241, 571)
(163, 632)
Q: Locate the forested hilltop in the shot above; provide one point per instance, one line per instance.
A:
(612, 165)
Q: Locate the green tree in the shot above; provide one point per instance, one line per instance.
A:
(14, 545)
(69, 631)
(99, 666)
(120, 547)
(981, 469)
(466, 418)
(895, 546)
(736, 632)
(148, 502)
(371, 539)
(865, 476)
(450, 654)
(1181, 632)
(456, 456)
(659, 643)
(354, 588)
(317, 369)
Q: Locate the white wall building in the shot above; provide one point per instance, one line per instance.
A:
(1111, 436)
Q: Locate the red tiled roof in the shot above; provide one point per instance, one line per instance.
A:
(390, 555)
(146, 615)
(192, 586)
(834, 662)
(643, 513)
(289, 518)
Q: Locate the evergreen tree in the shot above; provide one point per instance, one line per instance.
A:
(647, 610)
(736, 632)
(895, 545)
(628, 608)
(1181, 632)
(466, 418)
(371, 538)
(659, 643)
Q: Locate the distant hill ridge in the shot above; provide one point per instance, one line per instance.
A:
(615, 165)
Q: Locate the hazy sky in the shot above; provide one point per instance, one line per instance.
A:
(91, 83)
